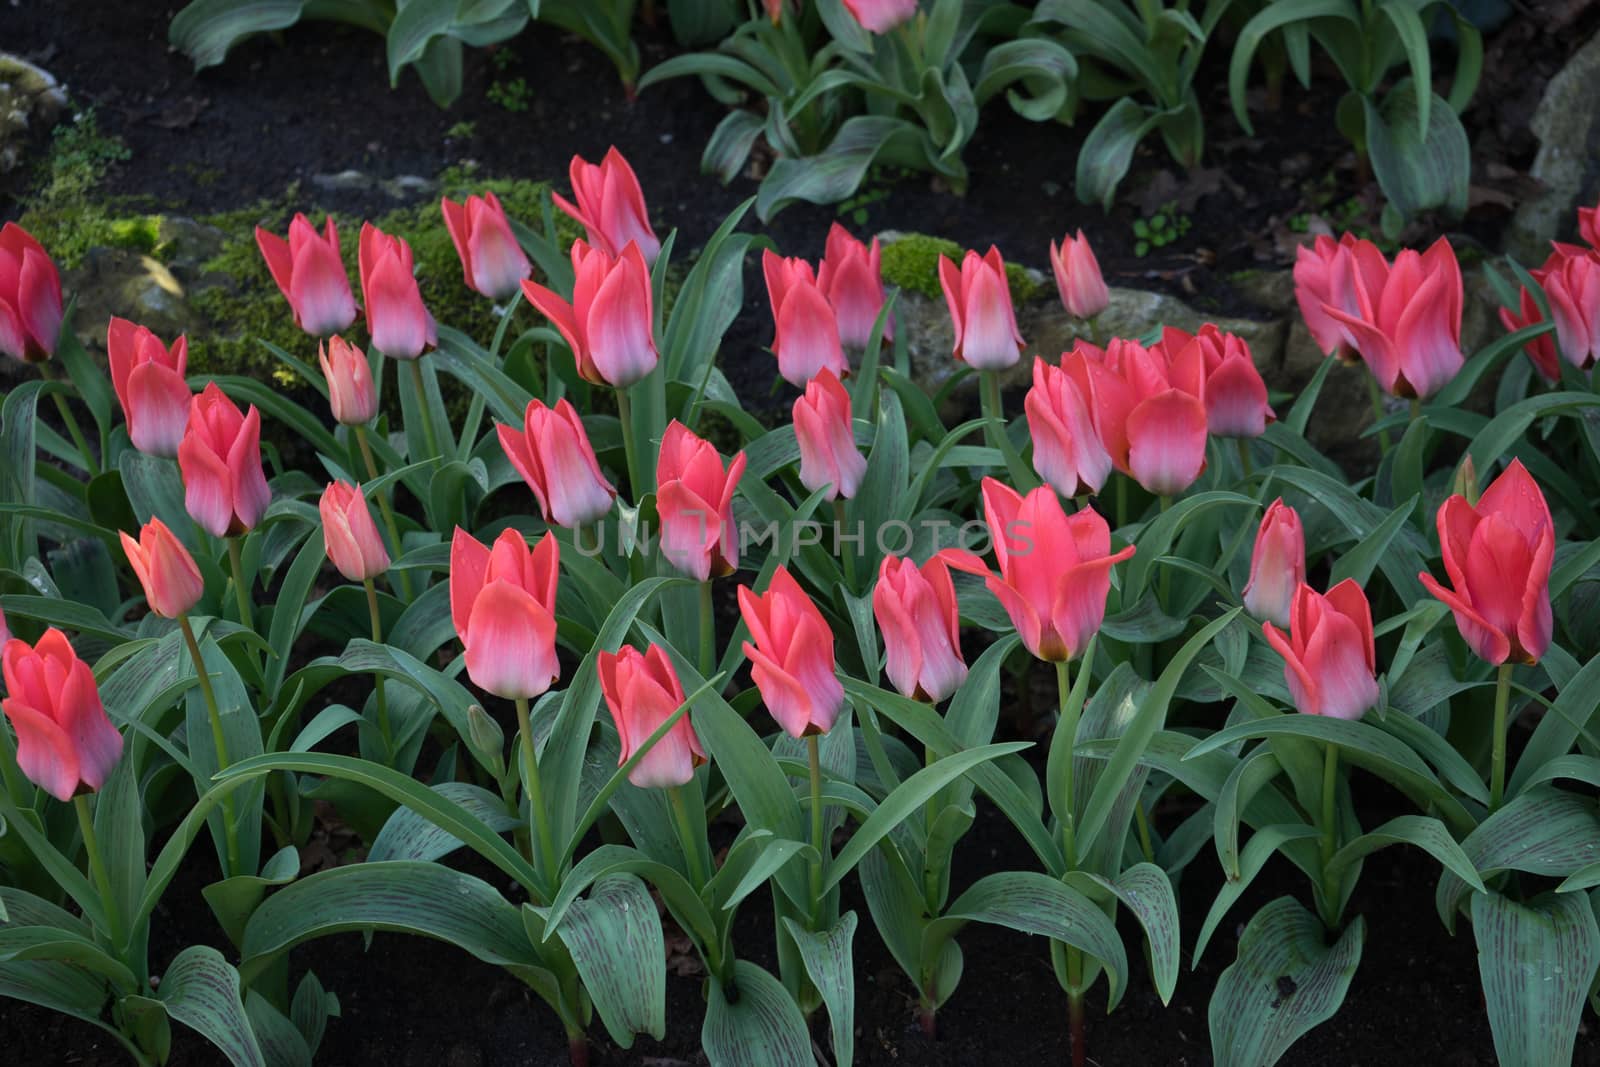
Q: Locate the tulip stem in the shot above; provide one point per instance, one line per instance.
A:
(1166, 572)
(1245, 467)
(814, 754)
(847, 556)
(698, 867)
(423, 411)
(1068, 725)
(1416, 408)
(994, 426)
(219, 741)
(625, 416)
(469, 430)
(377, 679)
(708, 632)
(1497, 764)
(530, 768)
(1330, 835)
(386, 508)
(70, 421)
(241, 591)
(1377, 411)
(1075, 1004)
(97, 867)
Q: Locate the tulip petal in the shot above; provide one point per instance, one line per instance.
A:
(44, 751)
(511, 643)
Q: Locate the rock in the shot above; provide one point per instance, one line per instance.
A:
(30, 102)
(1567, 123)
(117, 281)
(346, 181)
(410, 187)
(187, 245)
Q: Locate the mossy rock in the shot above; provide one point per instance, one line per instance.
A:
(911, 261)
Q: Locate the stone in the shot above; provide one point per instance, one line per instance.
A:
(30, 102)
(187, 245)
(346, 181)
(1567, 123)
(410, 187)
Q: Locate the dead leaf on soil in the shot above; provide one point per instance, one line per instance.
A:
(181, 114)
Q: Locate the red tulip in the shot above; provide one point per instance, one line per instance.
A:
(1277, 564)
(1078, 278)
(503, 604)
(1055, 571)
(1542, 349)
(1406, 319)
(491, 259)
(352, 394)
(610, 205)
(1330, 663)
(30, 297)
(1067, 451)
(979, 299)
(642, 691)
(791, 656)
(807, 338)
(351, 537)
(1589, 225)
(694, 497)
(1498, 556)
(148, 379)
(774, 10)
(851, 277)
(64, 738)
(881, 16)
(225, 489)
(1218, 367)
(609, 322)
(553, 455)
(399, 325)
(822, 425)
(1152, 426)
(1572, 286)
(1316, 284)
(171, 581)
(310, 273)
(917, 612)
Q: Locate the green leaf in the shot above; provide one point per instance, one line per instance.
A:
(1360, 561)
(615, 939)
(1536, 963)
(1419, 172)
(234, 900)
(119, 827)
(828, 961)
(1425, 833)
(1260, 848)
(753, 1024)
(1156, 539)
(1542, 831)
(1561, 726)
(207, 29)
(409, 835)
(1146, 890)
(835, 172)
(1108, 150)
(201, 990)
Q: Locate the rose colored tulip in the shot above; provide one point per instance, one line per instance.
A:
(64, 738)
(1330, 664)
(828, 452)
(1589, 225)
(610, 205)
(979, 298)
(1277, 564)
(916, 610)
(1055, 571)
(1078, 278)
(774, 10)
(1572, 286)
(5, 631)
(503, 603)
(1498, 556)
(352, 394)
(352, 539)
(791, 656)
(310, 273)
(30, 297)
(1313, 287)
(399, 325)
(553, 455)
(881, 16)
(642, 691)
(1542, 349)
(1067, 451)
(1151, 424)
(148, 379)
(171, 581)
(609, 322)
(225, 489)
(491, 259)
(807, 338)
(1219, 368)
(694, 497)
(851, 277)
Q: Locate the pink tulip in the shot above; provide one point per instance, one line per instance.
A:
(694, 497)
(1572, 286)
(1277, 564)
(30, 297)
(225, 489)
(851, 277)
(553, 455)
(171, 581)
(1218, 367)
(610, 205)
(642, 691)
(609, 322)
(1078, 278)
(1317, 285)
(1589, 225)
(1150, 422)
(1330, 663)
(828, 453)
(917, 612)
(1498, 556)
(64, 738)
(1542, 349)
(5, 631)
(807, 338)
(491, 259)
(503, 602)
(310, 273)
(979, 298)
(1067, 451)
(399, 325)
(881, 16)
(1406, 319)
(148, 379)
(791, 656)
(352, 394)
(351, 537)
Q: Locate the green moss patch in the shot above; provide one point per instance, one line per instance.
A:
(66, 213)
(912, 263)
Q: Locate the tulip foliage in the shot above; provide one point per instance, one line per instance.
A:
(801, 635)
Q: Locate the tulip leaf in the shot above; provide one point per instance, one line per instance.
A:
(753, 1022)
(408, 835)
(614, 936)
(829, 963)
(18, 426)
(773, 855)
(1108, 150)
(1146, 891)
(460, 357)
(882, 486)
(1260, 848)
(1560, 726)
(1363, 559)
(201, 990)
(206, 29)
(1537, 962)
(1247, 778)
(680, 897)
(1419, 149)
(1157, 538)
(234, 900)
(241, 738)
(834, 173)
(281, 1044)
(1404, 559)
(1541, 831)
(1495, 440)
(21, 944)
(1426, 833)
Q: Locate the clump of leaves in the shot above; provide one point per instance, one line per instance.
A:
(1160, 229)
(66, 211)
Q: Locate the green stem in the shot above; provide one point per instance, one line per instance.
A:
(469, 429)
(1075, 1004)
(1143, 825)
(386, 509)
(1068, 724)
(1497, 772)
(1330, 832)
(994, 426)
(1377, 410)
(1122, 500)
(708, 632)
(1165, 586)
(423, 408)
(847, 556)
(230, 830)
(541, 819)
(241, 591)
(1416, 408)
(930, 877)
(699, 867)
(377, 679)
(1245, 467)
(625, 414)
(814, 753)
(97, 867)
(76, 433)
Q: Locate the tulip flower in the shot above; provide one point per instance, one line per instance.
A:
(225, 489)
(491, 259)
(553, 455)
(1218, 367)
(148, 379)
(1498, 555)
(694, 497)
(1317, 284)
(979, 299)
(828, 452)
(642, 691)
(609, 322)
(351, 392)
(30, 297)
(807, 337)
(352, 540)
(1078, 278)
(1330, 663)
(1153, 428)
(171, 581)
(1277, 564)
(1542, 349)
(610, 205)
(1067, 451)
(399, 325)
(881, 16)
(310, 273)
(1572, 286)
(917, 612)
(503, 602)
(1055, 571)
(5, 631)
(64, 738)
(791, 656)
(1589, 225)
(851, 277)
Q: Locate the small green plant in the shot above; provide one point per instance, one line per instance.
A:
(513, 95)
(464, 130)
(1167, 225)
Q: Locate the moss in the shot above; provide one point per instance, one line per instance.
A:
(912, 263)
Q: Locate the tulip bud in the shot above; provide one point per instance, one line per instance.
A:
(399, 325)
(171, 580)
(1404, 320)
(30, 297)
(1542, 349)
(1589, 225)
(921, 624)
(1330, 661)
(610, 205)
(1572, 287)
(487, 740)
(553, 455)
(309, 272)
(502, 602)
(807, 337)
(791, 656)
(979, 298)
(64, 738)
(1316, 285)
(642, 691)
(351, 392)
(823, 426)
(1465, 482)
(694, 497)
(354, 546)
(1078, 278)
(609, 323)
(491, 259)
(149, 383)
(1277, 564)
(1218, 368)
(225, 489)
(851, 277)
(1067, 451)
(881, 16)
